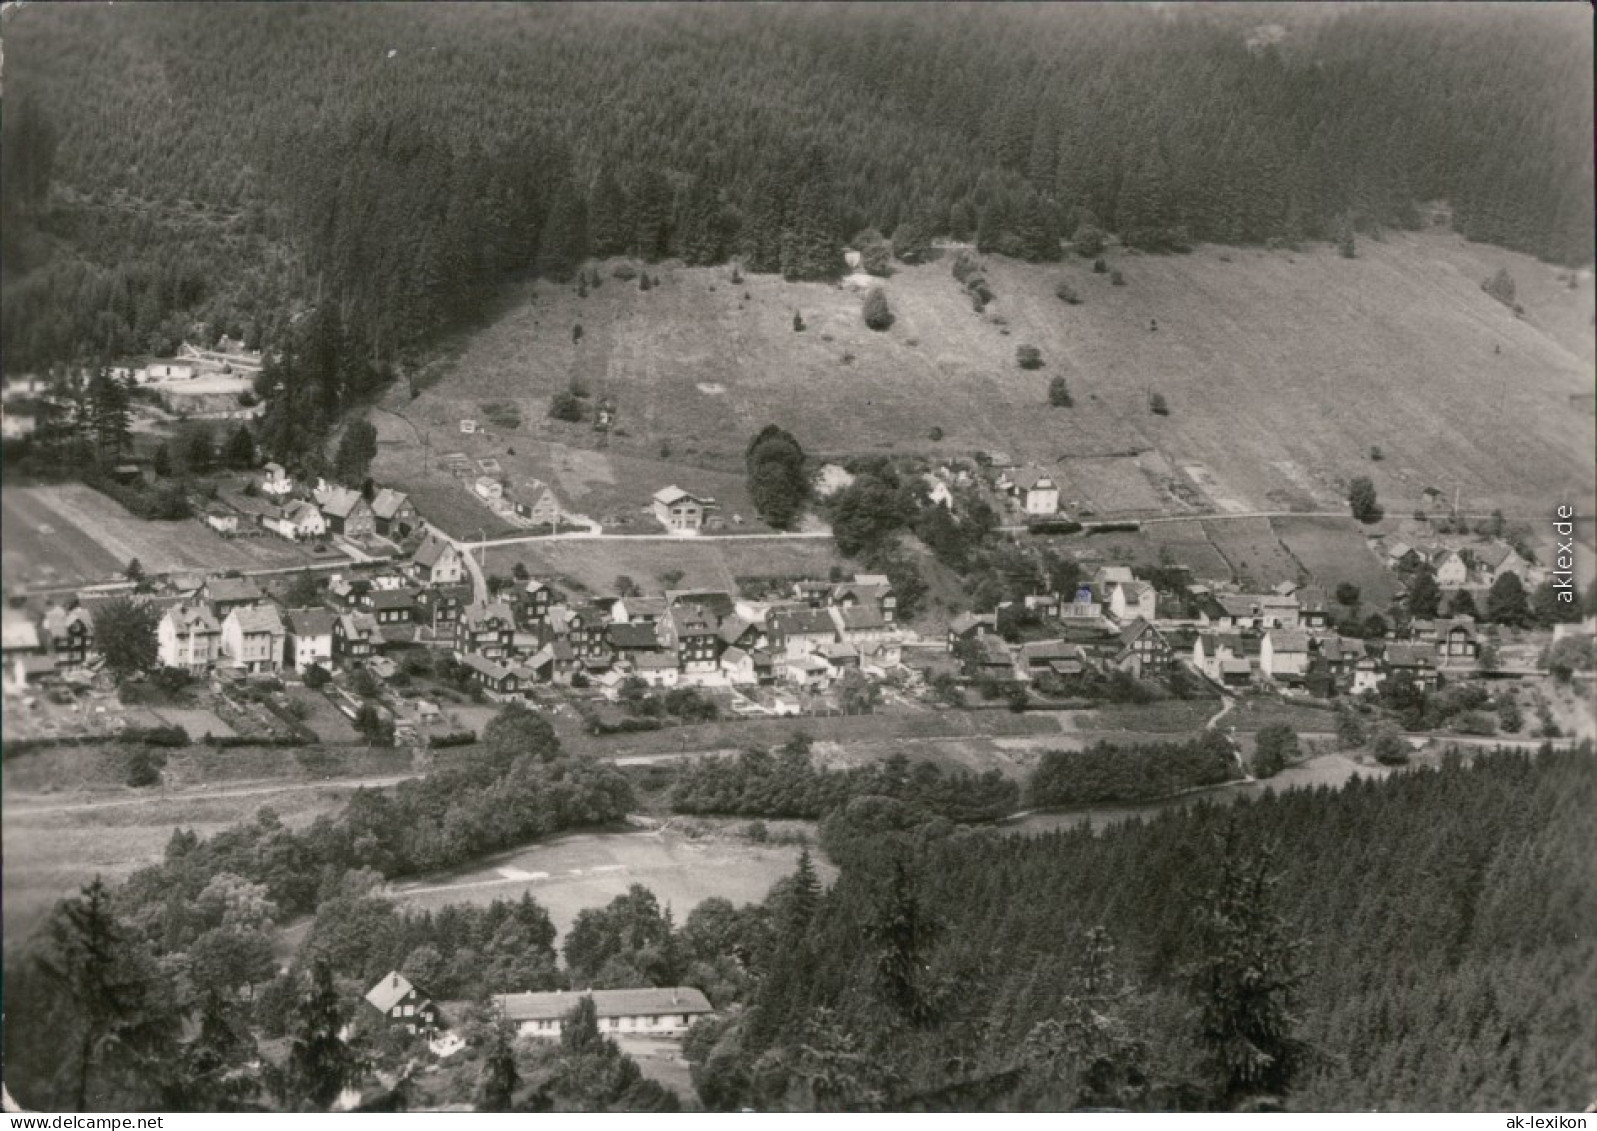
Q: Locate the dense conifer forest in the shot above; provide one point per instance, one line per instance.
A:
(389, 167)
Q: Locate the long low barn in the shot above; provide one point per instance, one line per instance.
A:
(665, 1012)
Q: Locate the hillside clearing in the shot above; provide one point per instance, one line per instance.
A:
(1281, 369)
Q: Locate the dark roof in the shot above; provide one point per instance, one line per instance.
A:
(387, 502)
(693, 620)
(311, 622)
(431, 549)
(804, 622)
(393, 598)
(634, 637)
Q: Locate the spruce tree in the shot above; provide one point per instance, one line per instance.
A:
(609, 228)
(499, 1075)
(320, 1065)
(1245, 983)
(563, 244)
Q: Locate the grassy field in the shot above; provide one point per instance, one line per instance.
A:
(1255, 555)
(1281, 369)
(582, 870)
(68, 816)
(71, 534)
(707, 563)
(1334, 551)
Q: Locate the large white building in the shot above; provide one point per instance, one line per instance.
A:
(643, 1012)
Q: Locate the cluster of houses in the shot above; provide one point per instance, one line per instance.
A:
(525, 637)
(1109, 624)
(1477, 566)
(512, 641)
(1285, 637)
(301, 513)
(1282, 637)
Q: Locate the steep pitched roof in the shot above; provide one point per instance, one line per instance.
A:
(1494, 554)
(387, 502)
(964, 622)
(693, 620)
(389, 992)
(402, 598)
(311, 622)
(717, 601)
(478, 615)
(859, 618)
(341, 502)
(674, 494)
(258, 618)
(1288, 641)
(430, 551)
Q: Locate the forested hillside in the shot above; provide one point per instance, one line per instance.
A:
(1422, 943)
(393, 164)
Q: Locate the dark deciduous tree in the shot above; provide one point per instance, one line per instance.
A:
(125, 634)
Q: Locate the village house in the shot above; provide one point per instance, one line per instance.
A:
(437, 562)
(638, 610)
(531, 603)
(393, 514)
(500, 682)
(224, 522)
(1414, 662)
(1313, 610)
(1032, 488)
(69, 634)
(391, 606)
(1278, 610)
(489, 490)
(867, 589)
(1045, 605)
(1143, 650)
(679, 511)
(718, 603)
(1368, 674)
(1460, 643)
(347, 512)
(691, 633)
(738, 667)
(989, 657)
(738, 632)
(799, 632)
(403, 1004)
(356, 638)
(485, 630)
(224, 594)
(439, 606)
(1284, 655)
(1083, 606)
(188, 637)
(629, 640)
(299, 521)
(657, 669)
(346, 592)
(1229, 611)
(1211, 649)
(583, 629)
(1400, 555)
(1050, 657)
(1339, 655)
(642, 1012)
(1452, 571)
(1497, 559)
(253, 638)
(276, 484)
(862, 624)
(808, 672)
(1133, 600)
(310, 637)
(938, 493)
(19, 635)
(536, 503)
(968, 626)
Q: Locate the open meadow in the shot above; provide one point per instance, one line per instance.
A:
(70, 534)
(1282, 370)
(704, 563)
(572, 872)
